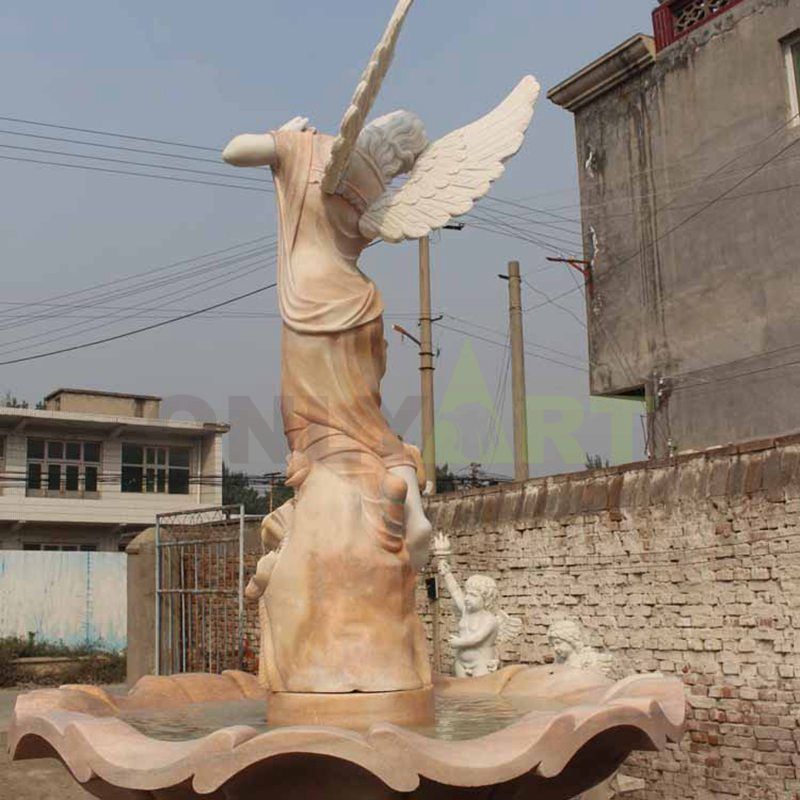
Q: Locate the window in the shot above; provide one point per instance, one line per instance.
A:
(63, 468)
(791, 48)
(155, 470)
(56, 547)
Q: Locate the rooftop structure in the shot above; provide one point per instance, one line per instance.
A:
(93, 468)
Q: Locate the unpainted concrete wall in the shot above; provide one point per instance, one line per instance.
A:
(692, 193)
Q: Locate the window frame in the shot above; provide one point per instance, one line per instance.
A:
(61, 466)
(61, 547)
(791, 56)
(155, 468)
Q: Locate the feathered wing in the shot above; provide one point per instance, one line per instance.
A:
(363, 99)
(453, 172)
(510, 627)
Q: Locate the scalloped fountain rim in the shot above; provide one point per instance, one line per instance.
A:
(78, 723)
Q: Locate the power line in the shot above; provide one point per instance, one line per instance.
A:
(108, 133)
(573, 237)
(168, 312)
(143, 283)
(152, 271)
(109, 160)
(83, 142)
(509, 231)
(758, 371)
(137, 330)
(574, 232)
(215, 281)
(470, 335)
(144, 287)
(544, 211)
(552, 301)
(196, 181)
(505, 335)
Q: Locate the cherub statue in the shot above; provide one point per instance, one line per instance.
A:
(570, 649)
(340, 595)
(481, 625)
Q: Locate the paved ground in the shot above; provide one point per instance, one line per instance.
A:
(43, 779)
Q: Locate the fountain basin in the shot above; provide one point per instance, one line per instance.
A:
(567, 731)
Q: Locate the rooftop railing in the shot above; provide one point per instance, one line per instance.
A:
(674, 19)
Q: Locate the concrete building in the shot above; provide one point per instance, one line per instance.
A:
(688, 147)
(94, 468)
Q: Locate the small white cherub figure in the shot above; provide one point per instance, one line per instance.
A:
(481, 625)
(570, 649)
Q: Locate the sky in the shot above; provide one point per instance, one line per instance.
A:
(199, 73)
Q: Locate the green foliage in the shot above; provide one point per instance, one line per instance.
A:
(280, 495)
(101, 667)
(10, 400)
(445, 479)
(596, 462)
(237, 490)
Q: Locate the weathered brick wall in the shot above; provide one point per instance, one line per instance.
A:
(690, 567)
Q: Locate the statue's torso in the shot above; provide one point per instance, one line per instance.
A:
(321, 288)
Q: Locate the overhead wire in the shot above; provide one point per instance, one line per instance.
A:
(497, 332)
(109, 160)
(138, 275)
(137, 331)
(214, 282)
(143, 287)
(105, 146)
(500, 344)
(553, 302)
(550, 233)
(134, 287)
(175, 179)
(116, 135)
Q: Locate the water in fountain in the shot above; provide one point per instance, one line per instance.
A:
(457, 718)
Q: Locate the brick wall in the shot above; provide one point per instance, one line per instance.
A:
(689, 566)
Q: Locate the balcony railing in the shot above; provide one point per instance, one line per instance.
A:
(674, 19)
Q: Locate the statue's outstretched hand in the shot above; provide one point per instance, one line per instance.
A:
(441, 545)
(444, 568)
(295, 124)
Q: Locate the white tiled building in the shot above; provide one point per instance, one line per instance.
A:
(94, 468)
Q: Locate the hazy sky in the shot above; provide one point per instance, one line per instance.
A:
(200, 73)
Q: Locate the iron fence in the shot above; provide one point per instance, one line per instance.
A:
(200, 590)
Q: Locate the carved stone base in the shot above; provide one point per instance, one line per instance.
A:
(357, 710)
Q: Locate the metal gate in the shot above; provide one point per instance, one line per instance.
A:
(200, 590)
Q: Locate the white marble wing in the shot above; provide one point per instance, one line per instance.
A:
(510, 627)
(363, 99)
(453, 172)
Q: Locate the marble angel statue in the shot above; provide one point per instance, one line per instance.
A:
(342, 585)
(481, 624)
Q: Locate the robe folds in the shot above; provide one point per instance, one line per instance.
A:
(338, 613)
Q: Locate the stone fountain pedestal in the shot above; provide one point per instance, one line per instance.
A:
(547, 754)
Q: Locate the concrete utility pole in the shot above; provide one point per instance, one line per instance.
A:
(426, 364)
(521, 468)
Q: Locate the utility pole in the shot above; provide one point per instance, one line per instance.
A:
(426, 365)
(521, 467)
